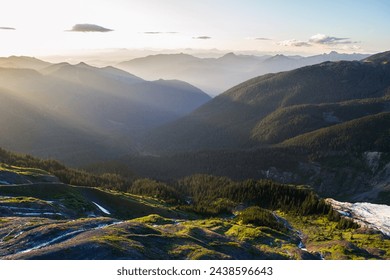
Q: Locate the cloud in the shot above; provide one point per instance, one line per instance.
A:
(6, 28)
(258, 38)
(323, 39)
(86, 27)
(318, 39)
(293, 43)
(202, 37)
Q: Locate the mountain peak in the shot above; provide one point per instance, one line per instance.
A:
(12, 57)
(84, 65)
(228, 57)
(23, 62)
(277, 57)
(230, 54)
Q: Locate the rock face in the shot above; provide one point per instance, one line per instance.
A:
(373, 159)
(49, 220)
(151, 237)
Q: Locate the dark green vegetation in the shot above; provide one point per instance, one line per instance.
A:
(260, 217)
(208, 194)
(292, 121)
(63, 173)
(369, 133)
(217, 195)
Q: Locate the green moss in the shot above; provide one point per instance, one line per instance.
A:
(22, 199)
(110, 239)
(260, 217)
(196, 252)
(217, 225)
(77, 203)
(233, 244)
(153, 219)
(9, 237)
(118, 241)
(69, 196)
(23, 170)
(324, 236)
(244, 232)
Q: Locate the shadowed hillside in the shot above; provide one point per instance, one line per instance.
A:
(81, 114)
(324, 125)
(234, 119)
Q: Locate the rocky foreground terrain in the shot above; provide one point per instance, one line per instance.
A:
(42, 218)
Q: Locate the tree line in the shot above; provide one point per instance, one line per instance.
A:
(203, 194)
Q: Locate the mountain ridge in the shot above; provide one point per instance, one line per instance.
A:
(104, 105)
(229, 118)
(216, 75)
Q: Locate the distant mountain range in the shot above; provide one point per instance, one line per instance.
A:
(79, 113)
(215, 75)
(23, 62)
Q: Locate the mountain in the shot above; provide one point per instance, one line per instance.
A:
(324, 125)
(84, 73)
(287, 122)
(381, 58)
(215, 75)
(29, 127)
(241, 176)
(242, 116)
(23, 62)
(370, 133)
(65, 111)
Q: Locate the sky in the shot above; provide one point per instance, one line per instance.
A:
(49, 27)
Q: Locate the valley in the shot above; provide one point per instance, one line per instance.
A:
(216, 75)
(81, 114)
(286, 165)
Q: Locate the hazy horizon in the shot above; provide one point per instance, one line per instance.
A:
(111, 57)
(69, 28)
